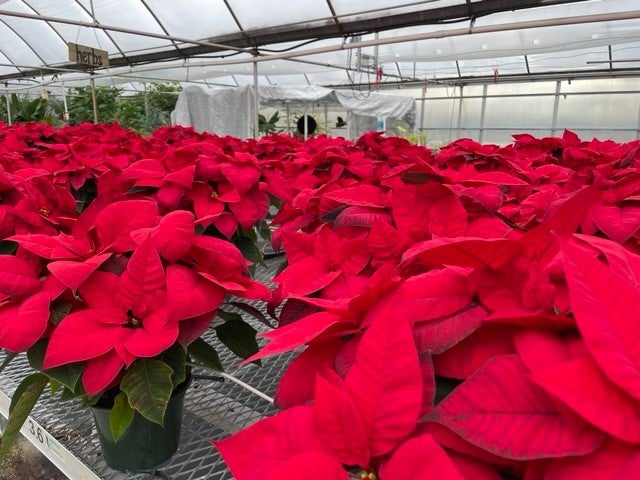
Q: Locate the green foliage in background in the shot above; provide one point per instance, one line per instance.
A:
(81, 104)
(31, 109)
(268, 126)
(143, 111)
(146, 111)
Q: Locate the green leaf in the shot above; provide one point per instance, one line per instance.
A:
(67, 375)
(58, 311)
(67, 394)
(444, 386)
(54, 386)
(148, 386)
(263, 230)
(176, 358)
(205, 354)
(253, 311)
(7, 247)
(120, 416)
(22, 402)
(248, 249)
(7, 359)
(229, 316)
(239, 337)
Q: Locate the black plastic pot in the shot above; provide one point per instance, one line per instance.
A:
(145, 444)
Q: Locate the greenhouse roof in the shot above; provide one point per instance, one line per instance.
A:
(317, 42)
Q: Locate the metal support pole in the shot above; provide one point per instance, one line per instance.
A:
(288, 110)
(424, 99)
(94, 100)
(483, 110)
(6, 96)
(349, 124)
(65, 114)
(556, 107)
(256, 102)
(306, 127)
(326, 118)
(458, 135)
(146, 102)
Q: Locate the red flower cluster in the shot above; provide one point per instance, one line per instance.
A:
(465, 314)
(115, 247)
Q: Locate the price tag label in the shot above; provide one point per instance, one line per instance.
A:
(41, 437)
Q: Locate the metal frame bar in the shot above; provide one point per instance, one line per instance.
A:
(162, 27)
(106, 32)
(556, 107)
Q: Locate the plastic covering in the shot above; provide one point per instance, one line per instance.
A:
(224, 111)
(29, 44)
(230, 111)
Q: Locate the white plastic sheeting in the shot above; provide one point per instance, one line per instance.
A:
(377, 105)
(224, 111)
(29, 43)
(230, 111)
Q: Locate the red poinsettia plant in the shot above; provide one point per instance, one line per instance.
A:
(109, 281)
(463, 314)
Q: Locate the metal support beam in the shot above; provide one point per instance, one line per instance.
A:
(422, 105)
(8, 109)
(256, 102)
(556, 107)
(94, 100)
(460, 111)
(483, 111)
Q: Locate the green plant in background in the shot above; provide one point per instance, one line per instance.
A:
(142, 111)
(81, 104)
(415, 136)
(145, 111)
(268, 126)
(31, 109)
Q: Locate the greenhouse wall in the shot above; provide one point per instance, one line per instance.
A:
(491, 113)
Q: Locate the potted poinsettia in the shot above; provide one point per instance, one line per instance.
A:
(109, 286)
(111, 311)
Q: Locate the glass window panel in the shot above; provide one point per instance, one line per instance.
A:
(519, 113)
(437, 138)
(279, 12)
(470, 113)
(604, 134)
(601, 85)
(525, 88)
(440, 114)
(598, 111)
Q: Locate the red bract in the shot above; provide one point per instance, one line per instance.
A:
(500, 410)
(125, 316)
(463, 313)
(477, 244)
